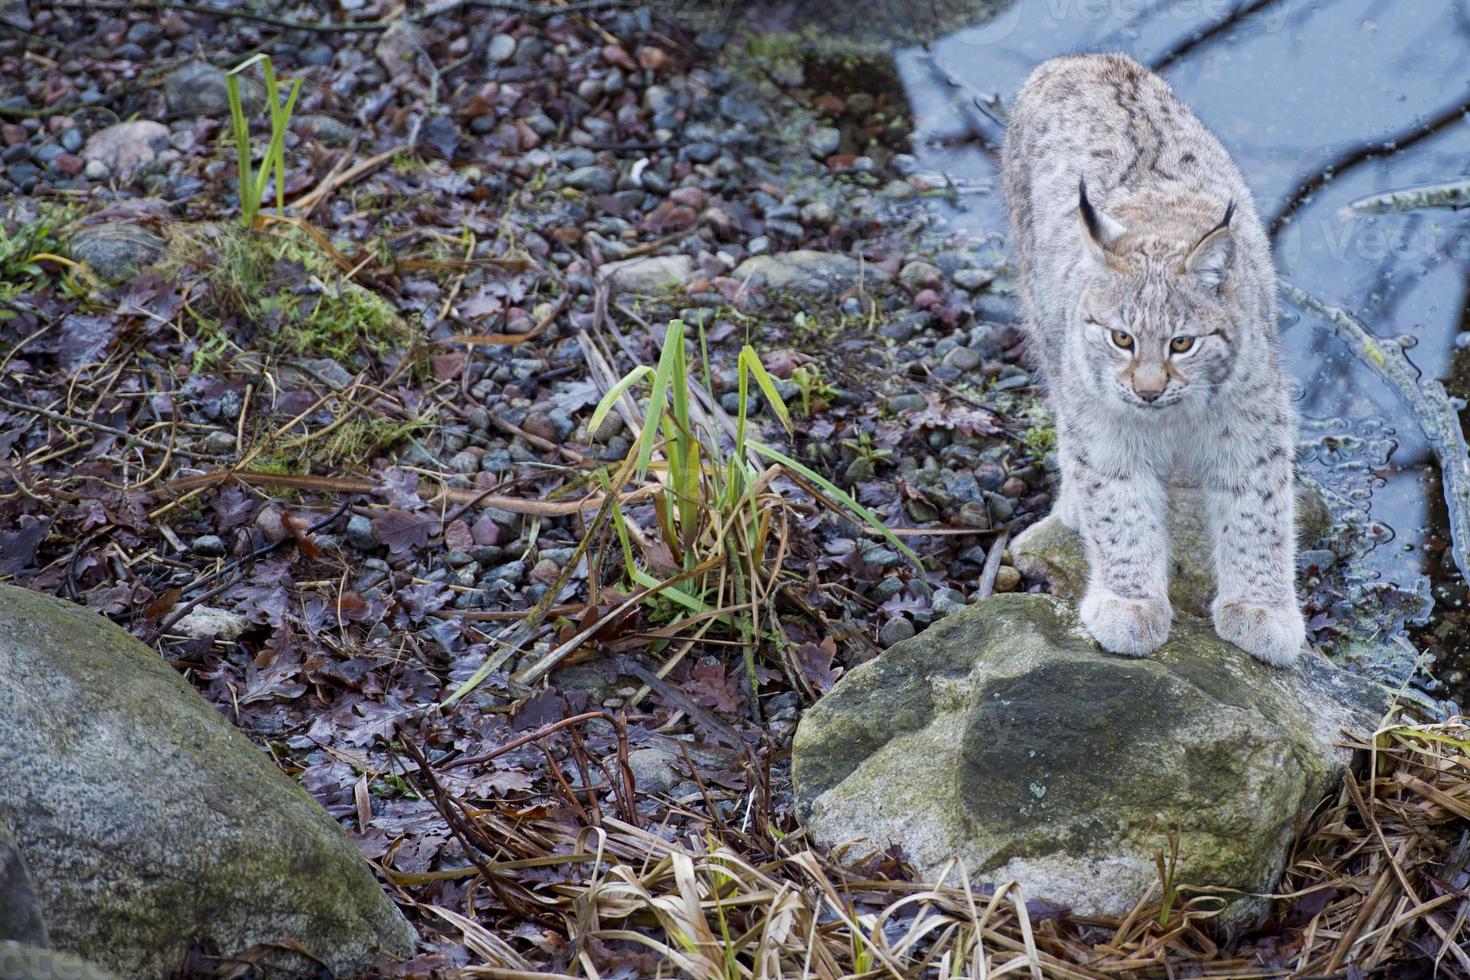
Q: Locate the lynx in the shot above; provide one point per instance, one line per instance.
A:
(1148, 295)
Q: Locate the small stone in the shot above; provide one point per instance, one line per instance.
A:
(595, 180)
(360, 534)
(646, 275)
(539, 424)
(502, 49)
(208, 622)
(973, 279)
(896, 190)
(198, 89)
(125, 145)
(116, 250)
(319, 55)
(947, 601)
(896, 630)
(824, 141)
(1007, 579)
(701, 152)
(807, 271)
(651, 58)
(907, 403)
(743, 111)
(921, 275)
(963, 359)
(208, 545)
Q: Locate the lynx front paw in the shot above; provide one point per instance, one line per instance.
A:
(1133, 627)
(1271, 634)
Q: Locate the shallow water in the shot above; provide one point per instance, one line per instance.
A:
(1289, 87)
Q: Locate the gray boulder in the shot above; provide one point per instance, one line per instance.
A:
(148, 822)
(20, 910)
(1050, 552)
(808, 271)
(1006, 737)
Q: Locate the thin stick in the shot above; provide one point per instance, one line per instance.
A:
(1425, 399)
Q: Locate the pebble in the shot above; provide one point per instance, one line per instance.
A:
(963, 359)
(359, 533)
(116, 250)
(973, 279)
(906, 403)
(947, 601)
(921, 275)
(896, 630)
(1007, 579)
(502, 49)
(208, 546)
(593, 179)
(700, 152)
(824, 141)
(125, 145)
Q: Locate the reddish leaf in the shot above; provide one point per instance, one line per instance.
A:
(816, 664)
(710, 687)
(403, 530)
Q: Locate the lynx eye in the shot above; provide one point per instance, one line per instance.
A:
(1122, 339)
(1182, 344)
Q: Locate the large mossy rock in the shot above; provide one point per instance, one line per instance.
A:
(149, 823)
(1006, 737)
(1050, 552)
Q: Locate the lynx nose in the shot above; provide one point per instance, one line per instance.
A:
(1149, 381)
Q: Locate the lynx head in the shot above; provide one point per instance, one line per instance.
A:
(1155, 321)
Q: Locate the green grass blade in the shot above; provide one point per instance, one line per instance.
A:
(599, 414)
(768, 387)
(842, 497)
(658, 397)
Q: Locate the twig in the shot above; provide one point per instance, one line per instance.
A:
(98, 426)
(992, 566)
(1425, 399)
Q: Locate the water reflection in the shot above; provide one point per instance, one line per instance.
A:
(1320, 103)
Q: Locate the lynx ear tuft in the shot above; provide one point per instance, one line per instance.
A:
(1101, 232)
(1213, 256)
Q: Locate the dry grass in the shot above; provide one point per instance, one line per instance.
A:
(1376, 886)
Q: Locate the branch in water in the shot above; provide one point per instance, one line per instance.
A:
(1425, 399)
(1354, 155)
(1453, 195)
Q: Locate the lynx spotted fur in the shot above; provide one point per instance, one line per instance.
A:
(1149, 299)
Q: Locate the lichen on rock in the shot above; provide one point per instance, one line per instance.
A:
(148, 823)
(1005, 737)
